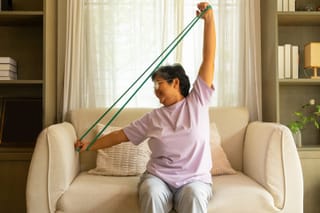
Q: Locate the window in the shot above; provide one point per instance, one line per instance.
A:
(124, 37)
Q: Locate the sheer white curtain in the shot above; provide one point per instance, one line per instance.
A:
(249, 56)
(79, 73)
(115, 41)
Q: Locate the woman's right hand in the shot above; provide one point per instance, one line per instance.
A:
(81, 145)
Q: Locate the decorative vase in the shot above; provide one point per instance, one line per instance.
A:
(297, 138)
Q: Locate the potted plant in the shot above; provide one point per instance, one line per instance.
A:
(309, 113)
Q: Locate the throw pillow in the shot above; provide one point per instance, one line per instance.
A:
(125, 159)
(220, 162)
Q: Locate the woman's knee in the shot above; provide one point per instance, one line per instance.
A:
(193, 197)
(197, 190)
(154, 196)
(154, 189)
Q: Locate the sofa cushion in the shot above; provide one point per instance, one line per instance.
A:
(220, 162)
(241, 194)
(91, 193)
(232, 123)
(121, 160)
(96, 193)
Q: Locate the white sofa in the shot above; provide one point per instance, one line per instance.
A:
(269, 177)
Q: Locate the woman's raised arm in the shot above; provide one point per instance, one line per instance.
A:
(206, 71)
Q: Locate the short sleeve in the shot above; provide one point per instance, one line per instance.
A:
(201, 92)
(137, 130)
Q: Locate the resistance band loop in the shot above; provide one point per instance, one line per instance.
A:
(130, 87)
(177, 40)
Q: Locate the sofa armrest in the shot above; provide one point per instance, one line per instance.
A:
(53, 166)
(271, 159)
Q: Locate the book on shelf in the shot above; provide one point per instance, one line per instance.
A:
(286, 5)
(279, 6)
(292, 5)
(7, 73)
(8, 60)
(288, 61)
(7, 78)
(8, 67)
(281, 62)
(295, 61)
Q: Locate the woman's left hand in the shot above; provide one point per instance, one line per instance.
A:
(201, 7)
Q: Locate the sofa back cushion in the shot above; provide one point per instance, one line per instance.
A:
(231, 123)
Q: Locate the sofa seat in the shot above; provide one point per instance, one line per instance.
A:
(243, 193)
(92, 193)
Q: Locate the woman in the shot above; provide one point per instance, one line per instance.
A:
(178, 172)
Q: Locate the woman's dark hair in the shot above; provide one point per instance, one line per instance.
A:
(170, 72)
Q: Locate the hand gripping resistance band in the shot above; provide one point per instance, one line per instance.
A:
(172, 45)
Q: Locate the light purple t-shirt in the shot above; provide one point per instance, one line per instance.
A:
(178, 138)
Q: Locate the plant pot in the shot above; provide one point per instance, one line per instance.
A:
(297, 138)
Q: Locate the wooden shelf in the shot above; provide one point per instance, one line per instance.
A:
(15, 154)
(21, 82)
(12, 18)
(28, 34)
(299, 18)
(282, 97)
(21, 88)
(299, 82)
(309, 148)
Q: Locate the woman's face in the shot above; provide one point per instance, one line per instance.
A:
(165, 92)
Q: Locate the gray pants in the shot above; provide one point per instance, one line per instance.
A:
(155, 196)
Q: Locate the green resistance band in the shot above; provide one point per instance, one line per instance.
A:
(175, 42)
(130, 87)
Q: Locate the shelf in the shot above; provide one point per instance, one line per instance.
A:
(11, 18)
(309, 148)
(299, 18)
(282, 97)
(15, 149)
(299, 82)
(21, 82)
(15, 153)
(21, 88)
